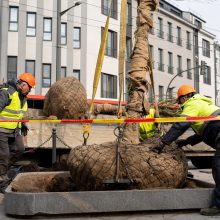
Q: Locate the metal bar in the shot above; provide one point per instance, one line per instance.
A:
(54, 150)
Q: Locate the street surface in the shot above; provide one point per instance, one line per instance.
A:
(204, 175)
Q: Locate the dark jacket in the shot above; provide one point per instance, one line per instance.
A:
(4, 94)
(208, 130)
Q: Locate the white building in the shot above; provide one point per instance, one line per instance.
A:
(28, 42)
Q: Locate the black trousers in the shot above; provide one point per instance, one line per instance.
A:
(216, 173)
(11, 146)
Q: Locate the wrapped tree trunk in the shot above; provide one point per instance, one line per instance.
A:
(137, 103)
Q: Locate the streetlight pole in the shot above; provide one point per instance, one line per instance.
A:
(58, 48)
(176, 76)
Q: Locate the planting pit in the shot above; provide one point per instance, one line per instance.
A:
(55, 193)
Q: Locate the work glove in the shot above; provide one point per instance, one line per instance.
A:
(181, 142)
(158, 148)
(24, 129)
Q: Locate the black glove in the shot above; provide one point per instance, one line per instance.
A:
(180, 143)
(24, 129)
(158, 148)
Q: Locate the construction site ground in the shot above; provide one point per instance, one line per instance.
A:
(201, 174)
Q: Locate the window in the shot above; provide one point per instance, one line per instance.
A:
(46, 79)
(188, 40)
(196, 40)
(205, 48)
(76, 74)
(128, 49)
(13, 18)
(160, 60)
(47, 29)
(198, 23)
(63, 72)
(160, 28)
(30, 66)
(12, 68)
(129, 13)
(63, 33)
(76, 37)
(189, 73)
(170, 62)
(170, 32)
(151, 47)
(170, 92)
(161, 93)
(108, 86)
(150, 94)
(31, 24)
(111, 44)
(179, 65)
(207, 75)
(179, 38)
(113, 10)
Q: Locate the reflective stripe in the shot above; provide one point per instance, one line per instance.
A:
(12, 111)
(7, 118)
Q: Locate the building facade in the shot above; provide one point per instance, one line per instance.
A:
(28, 42)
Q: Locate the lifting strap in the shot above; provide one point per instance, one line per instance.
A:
(86, 128)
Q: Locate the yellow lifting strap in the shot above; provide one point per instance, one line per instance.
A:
(100, 59)
(98, 69)
(122, 46)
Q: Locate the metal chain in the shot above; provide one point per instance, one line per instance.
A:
(44, 142)
(65, 144)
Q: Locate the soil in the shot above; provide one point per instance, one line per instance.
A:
(60, 182)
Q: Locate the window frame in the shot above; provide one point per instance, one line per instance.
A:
(31, 27)
(77, 40)
(113, 10)
(45, 31)
(78, 72)
(207, 75)
(11, 21)
(26, 69)
(14, 73)
(63, 37)
(111, 51)
(104, 91)
(45, 85)
(205, 48)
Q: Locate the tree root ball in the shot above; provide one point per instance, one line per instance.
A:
(92, 166)
(66, 99)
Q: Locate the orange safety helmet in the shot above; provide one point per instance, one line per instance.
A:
(184, 90)
(28, 78)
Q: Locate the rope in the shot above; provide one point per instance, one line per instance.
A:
(121, 61)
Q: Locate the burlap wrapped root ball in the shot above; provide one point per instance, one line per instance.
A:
(66, 99)
(90, 166)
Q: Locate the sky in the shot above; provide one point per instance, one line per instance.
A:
(208, 10)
